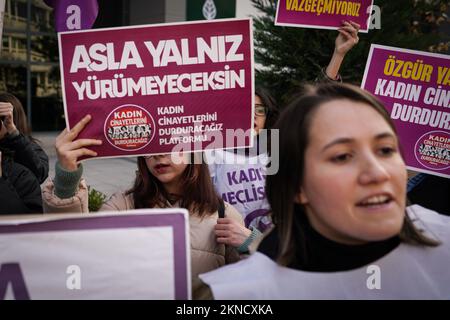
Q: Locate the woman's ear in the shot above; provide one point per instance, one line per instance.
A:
(301, 197)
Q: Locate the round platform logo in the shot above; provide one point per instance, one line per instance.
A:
(432, 150)
(129, 127)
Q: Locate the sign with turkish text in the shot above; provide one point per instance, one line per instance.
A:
(240, 180)
(323, 14)
(150, 89)
(415, 89)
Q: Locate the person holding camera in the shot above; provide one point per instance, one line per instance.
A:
(20, 191)
(16, 139)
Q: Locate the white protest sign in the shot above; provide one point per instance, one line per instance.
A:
(141, 254)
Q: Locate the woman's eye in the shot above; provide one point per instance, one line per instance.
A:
(342, 158)
(387, 151)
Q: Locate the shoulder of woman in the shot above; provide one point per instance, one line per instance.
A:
(430, 221)
(53, 204)
(36, 145)
(119, 201)
(418, 212)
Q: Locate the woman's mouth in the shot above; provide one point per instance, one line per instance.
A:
(376, 201)
(161, 168)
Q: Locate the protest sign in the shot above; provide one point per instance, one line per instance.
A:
(140, 254)
(151, 88)
(240, 180)
(323, 14)
(415, 89)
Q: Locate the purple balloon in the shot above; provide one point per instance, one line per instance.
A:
(73, 14)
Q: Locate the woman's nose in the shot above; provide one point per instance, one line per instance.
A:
(373, 170)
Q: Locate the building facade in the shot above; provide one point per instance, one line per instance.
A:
(29, 63)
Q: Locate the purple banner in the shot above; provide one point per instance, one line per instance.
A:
(323, 14)
(152, 88)
(73, 14)
(44, 236)
(415, 89)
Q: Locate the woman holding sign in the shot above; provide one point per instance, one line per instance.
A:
(245, 188)
(163, 181)
(342, 229)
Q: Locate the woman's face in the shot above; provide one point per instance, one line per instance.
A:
(354, 187)
(259, 115)
(168, 169)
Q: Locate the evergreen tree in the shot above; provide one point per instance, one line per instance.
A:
(289, 56)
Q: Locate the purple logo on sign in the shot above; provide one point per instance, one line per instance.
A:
(432, 150)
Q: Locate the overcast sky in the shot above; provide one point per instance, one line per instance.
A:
(244, 8)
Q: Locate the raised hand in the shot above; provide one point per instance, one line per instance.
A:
(347, 38)
(69, 149)
(229, 231)
(7, 116)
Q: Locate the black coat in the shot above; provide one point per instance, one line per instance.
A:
(432, 193)
(28, 153)
(20, 191)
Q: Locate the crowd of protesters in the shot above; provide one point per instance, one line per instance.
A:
(337, 203)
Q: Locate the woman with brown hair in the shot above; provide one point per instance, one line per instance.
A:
(248, 194)
(342, 229)
(17, 140)
(163, 181)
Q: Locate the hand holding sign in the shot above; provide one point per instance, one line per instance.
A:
(415, 89)
(347, 38)
(69, 150)
(230, 232)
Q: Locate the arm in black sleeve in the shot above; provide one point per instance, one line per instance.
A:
(29, 154)
(20, 192)
(323, 77)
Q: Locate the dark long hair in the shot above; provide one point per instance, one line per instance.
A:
(199, 196)
(282, 188)
(272, 107)
(20, 118)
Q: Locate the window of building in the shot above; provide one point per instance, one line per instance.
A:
(29, 66)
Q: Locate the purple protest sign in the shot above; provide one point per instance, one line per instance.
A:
(414, 87)
(73, 14)
(323, 14)
(138, 254)
(152, 88)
